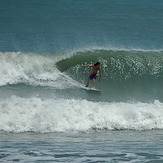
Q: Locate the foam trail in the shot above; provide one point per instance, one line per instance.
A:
(61, 115)
(31, 69)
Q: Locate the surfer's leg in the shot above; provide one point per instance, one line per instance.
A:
(87, 84)
(88, 80)
(94, 82)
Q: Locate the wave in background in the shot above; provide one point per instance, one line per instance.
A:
(60, 115)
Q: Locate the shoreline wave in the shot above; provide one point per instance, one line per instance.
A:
(62, 115)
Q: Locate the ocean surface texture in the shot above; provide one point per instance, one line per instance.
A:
(46, 115)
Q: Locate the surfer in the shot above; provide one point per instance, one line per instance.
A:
(96, 71)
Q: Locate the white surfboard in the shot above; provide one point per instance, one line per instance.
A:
(90, 89)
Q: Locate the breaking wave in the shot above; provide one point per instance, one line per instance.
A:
(61, 115)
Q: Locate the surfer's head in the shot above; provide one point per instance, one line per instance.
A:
(97, 63)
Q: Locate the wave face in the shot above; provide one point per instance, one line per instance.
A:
(118, 65)
(60, 115)
(127, 75)
(138, 74)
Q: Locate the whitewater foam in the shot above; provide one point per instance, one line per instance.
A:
(31, 69)
(61, 115)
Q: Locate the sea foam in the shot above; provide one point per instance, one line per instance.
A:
(61, 115)
(32, 69)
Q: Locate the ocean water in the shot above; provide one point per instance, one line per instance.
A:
(46, 116)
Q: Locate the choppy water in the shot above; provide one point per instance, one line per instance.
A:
(112, 146)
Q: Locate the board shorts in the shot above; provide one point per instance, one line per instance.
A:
(93, 76)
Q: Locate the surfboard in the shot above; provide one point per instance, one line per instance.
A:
(87, 88)
(91, 89)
